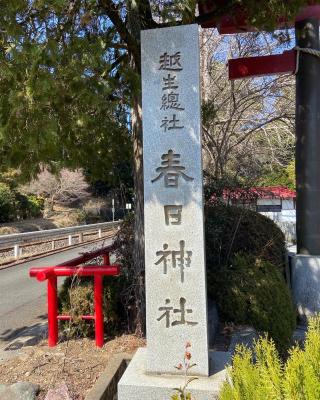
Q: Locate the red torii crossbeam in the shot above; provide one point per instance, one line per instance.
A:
(250, 67)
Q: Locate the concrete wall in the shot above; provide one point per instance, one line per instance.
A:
(268, 202)
(286, 220)
(288, 204)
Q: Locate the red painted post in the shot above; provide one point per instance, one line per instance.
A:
(98, 304)
(106, 259)
(52, 311)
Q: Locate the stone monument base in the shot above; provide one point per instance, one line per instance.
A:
(305, 282)
(135, 384)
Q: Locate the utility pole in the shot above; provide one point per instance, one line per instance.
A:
(113, 210)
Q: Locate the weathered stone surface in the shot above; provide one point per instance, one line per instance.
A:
(135, 384)
(305, 282)
(19, 391)
(60, 393)
(105, 387)
(173, 199)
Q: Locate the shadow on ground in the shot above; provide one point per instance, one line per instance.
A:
(24, 336)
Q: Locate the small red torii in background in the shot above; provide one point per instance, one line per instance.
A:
(72, 268)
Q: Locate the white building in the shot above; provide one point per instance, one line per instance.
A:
(276, 202)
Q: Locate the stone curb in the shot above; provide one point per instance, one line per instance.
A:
(106, 386)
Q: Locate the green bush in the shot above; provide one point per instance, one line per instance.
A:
(28, 206)
(230, 230)
(281, 176)
(253, 292)
(245, 263)
(262, 375)
(36, 205)
(11, 177)
(15, 205)
(7, 203)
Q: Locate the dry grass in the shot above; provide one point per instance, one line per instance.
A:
(8, 230)
(28, 225)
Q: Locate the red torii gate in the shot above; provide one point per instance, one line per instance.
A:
(73, 268)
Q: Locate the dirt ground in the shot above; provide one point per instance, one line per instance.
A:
(77, 363)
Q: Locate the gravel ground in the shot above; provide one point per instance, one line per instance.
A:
(76, 363)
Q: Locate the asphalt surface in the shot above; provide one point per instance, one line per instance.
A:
(23, 306)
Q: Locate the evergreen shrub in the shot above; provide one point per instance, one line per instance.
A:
(28, 206)
(261, 374)
(15, 205)
(7, 203)
(253, 292)
(230, 230)
(245, 263)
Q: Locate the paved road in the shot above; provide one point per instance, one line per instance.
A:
(23, 300)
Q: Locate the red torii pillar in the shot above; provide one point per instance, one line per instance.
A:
(306, 264)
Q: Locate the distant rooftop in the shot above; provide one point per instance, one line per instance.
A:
(262, 192)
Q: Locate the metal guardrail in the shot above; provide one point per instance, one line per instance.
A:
(16, 241)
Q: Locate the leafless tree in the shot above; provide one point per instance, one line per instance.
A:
(248, 124)
(64, 187)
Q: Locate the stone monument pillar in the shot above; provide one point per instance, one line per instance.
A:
(176, 295)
